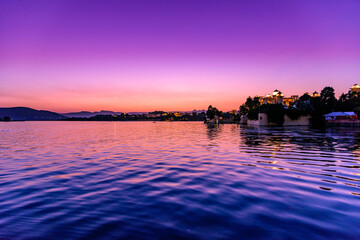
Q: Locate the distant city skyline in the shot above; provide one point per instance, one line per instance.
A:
(143, 56)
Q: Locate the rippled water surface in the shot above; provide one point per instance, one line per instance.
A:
(144, 180)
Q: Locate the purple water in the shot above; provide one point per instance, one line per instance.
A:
(180, 180)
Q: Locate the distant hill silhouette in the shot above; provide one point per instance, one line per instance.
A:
(24, 113)
(85, 114)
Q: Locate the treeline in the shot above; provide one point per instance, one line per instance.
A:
(314, 106)
(144, 117)
(213, 112)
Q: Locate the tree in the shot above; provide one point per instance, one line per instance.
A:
(348, 101)
(305, 97)
(328, 99)
(255, 102)
(357, 111)
(249, 105)
(343, 103)
(293, 113)
(253, 114)
(212, 112)
(275, 113)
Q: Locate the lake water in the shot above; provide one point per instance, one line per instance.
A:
(180, 180)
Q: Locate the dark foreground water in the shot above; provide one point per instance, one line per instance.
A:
(144, 180)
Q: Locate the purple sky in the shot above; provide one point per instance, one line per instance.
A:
(173, 55)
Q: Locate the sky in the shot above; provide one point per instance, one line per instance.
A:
(179, 55)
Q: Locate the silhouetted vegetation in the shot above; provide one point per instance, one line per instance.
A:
(212, 112)
(275, 113)
(328, 99)
(153, 116)
(357, 111)
(249, 105)
(253, 114)
(293, 113)
(348, 101)
(157, 112)
(315, 106)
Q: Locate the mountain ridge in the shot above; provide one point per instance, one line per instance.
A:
(29, 114)
(87, 114)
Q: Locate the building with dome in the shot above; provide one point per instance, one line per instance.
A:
(315, 94)
(277, 97)
(355, 88)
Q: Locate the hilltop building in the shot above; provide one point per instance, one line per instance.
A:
(315, 94)
(277, 97)
(355, 88)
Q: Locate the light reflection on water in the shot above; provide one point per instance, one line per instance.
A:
(144, 180)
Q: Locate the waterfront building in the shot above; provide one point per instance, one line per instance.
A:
(342, 119)
(340, 116)
(263, 121)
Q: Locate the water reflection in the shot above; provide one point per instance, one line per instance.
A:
(213, 131)
(302, 138)
(331, 156)
(139, 180)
